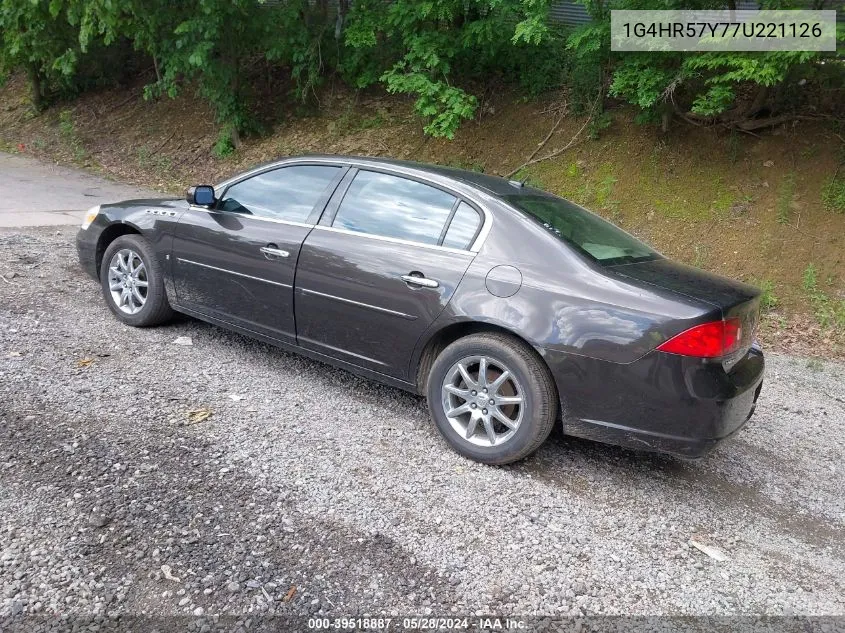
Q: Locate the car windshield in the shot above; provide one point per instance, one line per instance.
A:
(589, 234)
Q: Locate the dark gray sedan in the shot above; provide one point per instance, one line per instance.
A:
(508, 307)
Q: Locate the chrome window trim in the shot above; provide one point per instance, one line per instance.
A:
(304, 225)
(394, 240)
(409, 317)
(232, 272)
(487, 223)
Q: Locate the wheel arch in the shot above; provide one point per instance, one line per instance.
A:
(448, 334)
(109, 235)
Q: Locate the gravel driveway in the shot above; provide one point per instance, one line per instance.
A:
(309, 490)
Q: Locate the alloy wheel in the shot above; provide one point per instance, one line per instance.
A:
(128, 281)
(482, 400)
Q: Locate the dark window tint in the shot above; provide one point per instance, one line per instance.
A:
(391, 206)
(463, 227)
(289, 193)
(586, 232)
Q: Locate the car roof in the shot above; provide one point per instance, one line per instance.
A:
(494, 185)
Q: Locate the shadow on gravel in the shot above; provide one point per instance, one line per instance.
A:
(692, 478)
(170, 498)
(562, 458)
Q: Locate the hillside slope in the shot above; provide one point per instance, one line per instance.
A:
(745, 206)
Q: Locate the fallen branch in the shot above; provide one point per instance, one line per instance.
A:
(124, 102)
(163, 143)
(758, 124)
(539, 159)
(534, 159)
(542, 143)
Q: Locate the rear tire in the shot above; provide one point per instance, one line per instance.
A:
(492, 418)
(133, 282)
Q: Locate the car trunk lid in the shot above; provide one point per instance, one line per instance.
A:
(735, 299)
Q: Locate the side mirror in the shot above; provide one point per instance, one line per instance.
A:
(201, 195)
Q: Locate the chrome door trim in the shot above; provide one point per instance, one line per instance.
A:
(232, 272)
(253, 217)
(402, 315)
(393, 240)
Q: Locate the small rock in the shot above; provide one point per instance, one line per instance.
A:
(98, 520)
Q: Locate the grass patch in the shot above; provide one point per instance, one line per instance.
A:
(786, 190)
(225, 145)
(833, 195)
(700, 255)
(814, 364)
(351, 122)
(829, 311)
(68, 133)
(768, 298)
(148, 160)
(724, 201)
(475, 166)
(604, 190)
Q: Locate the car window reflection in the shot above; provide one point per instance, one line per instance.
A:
(463, 227)
(381, 204)
(289, 193)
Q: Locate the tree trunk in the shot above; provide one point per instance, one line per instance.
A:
(36, 85)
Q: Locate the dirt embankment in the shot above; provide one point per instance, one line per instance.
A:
(748, 206)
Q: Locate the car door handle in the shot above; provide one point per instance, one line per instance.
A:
(272, 251)
(416, 280)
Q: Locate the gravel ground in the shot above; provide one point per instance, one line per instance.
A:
(309, 490)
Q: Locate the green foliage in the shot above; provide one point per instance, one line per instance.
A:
(37, 37)
(707, 86)
(444, 106)
(586, 64)
(829, 311)
(67, 130)
(225, 145)
(768, 298)
(809, 278)
(439, 52)
(833, 195)
(431, 44)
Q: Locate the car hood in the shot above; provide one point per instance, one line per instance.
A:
(150, 202)
(689, 281)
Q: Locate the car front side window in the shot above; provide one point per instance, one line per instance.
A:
(392, 206)
(287, 193)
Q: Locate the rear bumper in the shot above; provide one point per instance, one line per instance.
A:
(86, 248)
(662, 402)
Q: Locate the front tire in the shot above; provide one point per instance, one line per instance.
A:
(492, 398)
(133, 283)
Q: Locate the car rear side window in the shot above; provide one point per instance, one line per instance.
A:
(463, 227)
(288, 193)
(589, 234)
(391, 206)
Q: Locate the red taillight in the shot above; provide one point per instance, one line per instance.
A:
(708, 340)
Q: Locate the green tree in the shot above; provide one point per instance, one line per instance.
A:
(36, 36)
(432, 45)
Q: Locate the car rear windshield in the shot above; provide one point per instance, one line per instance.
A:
(589, 234)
